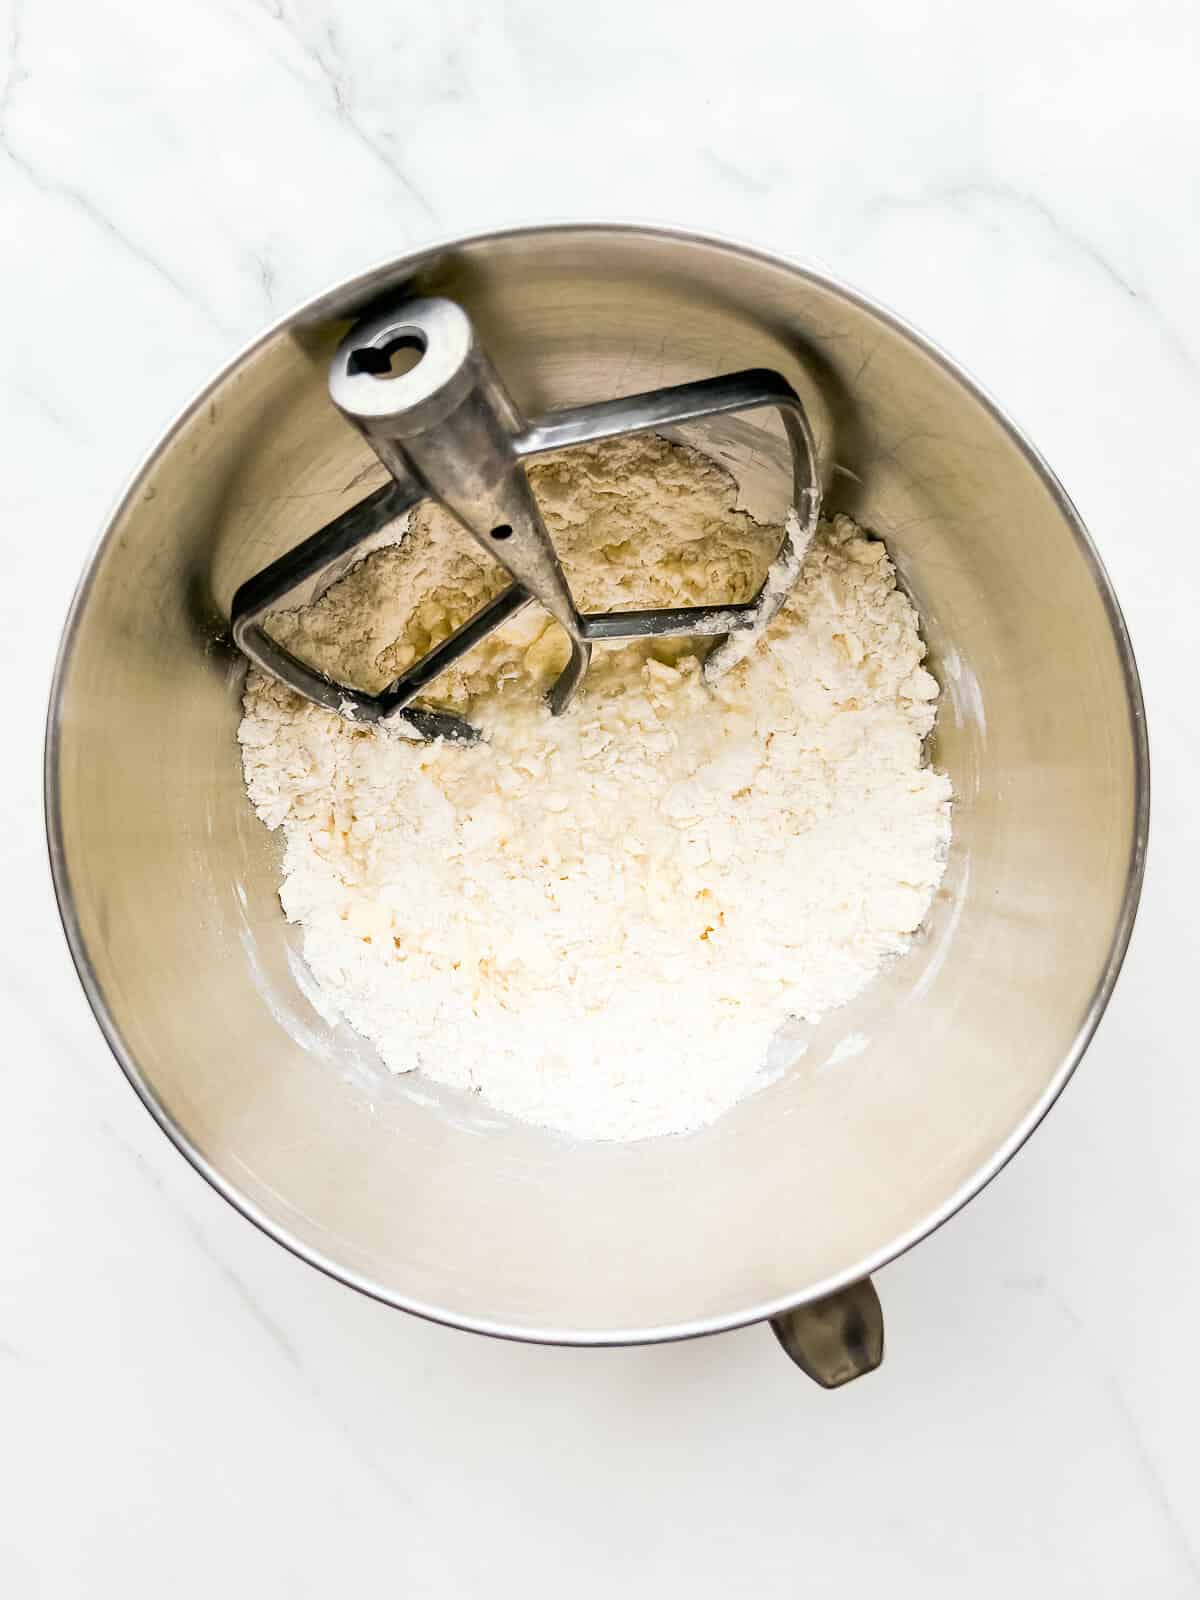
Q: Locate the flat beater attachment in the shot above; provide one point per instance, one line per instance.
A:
(446, 428)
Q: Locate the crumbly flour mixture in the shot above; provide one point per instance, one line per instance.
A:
(599, 921)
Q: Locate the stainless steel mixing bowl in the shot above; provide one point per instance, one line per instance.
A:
(900, 1108)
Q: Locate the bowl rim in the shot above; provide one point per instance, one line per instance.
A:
(320, 304)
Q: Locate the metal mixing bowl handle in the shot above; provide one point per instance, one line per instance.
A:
(837, 1338)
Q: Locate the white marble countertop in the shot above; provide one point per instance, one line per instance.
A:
(184, 1408)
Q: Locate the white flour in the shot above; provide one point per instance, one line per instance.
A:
(599, 921)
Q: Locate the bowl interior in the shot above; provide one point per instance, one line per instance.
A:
(900, 1105)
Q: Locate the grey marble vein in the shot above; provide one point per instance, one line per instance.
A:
(59, 188)
(250, 1302)
(1077, 244)
(1153, 1480)
(241, 1290)
(1024, 200)
(327, 59)
(740, 177)
(266, 276)
(13, 1353)
(1139, 1450)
